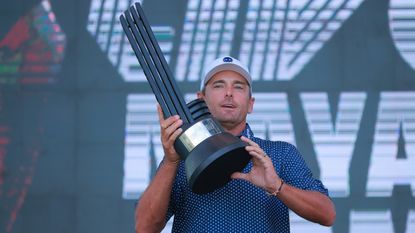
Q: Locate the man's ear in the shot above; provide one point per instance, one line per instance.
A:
(251, 105)
(200, 95)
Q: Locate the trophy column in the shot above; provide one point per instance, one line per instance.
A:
(211, 154)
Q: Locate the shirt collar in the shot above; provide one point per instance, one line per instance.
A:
(247, 132)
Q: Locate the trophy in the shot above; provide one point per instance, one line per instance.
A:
(210, 153)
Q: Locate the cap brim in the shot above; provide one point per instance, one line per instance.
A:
(227, 66)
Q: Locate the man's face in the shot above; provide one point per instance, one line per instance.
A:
(227, 95)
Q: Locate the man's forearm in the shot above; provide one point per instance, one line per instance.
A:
(153, 204)
(311, 205)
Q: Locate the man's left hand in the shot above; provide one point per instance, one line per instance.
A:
(262, 174)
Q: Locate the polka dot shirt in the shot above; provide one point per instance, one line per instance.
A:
(240, 206)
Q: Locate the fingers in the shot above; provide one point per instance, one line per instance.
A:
(249, 141)
(254, 148)
(177, 132)
(170, 125)
(257, 154)
(169, 131)
(239, 175)
(160, 112)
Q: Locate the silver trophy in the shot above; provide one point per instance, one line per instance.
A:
(210, 153)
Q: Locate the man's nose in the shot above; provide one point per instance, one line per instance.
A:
(229, 91)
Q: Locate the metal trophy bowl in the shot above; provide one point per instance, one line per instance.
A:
(210, 153)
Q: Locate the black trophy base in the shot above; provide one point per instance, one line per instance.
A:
(210, 165)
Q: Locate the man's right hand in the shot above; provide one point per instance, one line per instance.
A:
(169, 131)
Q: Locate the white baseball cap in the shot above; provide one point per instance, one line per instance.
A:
(225, 63)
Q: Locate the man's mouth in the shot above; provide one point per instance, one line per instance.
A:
(228, 106)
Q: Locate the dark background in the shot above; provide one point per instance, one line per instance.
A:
(62, 143)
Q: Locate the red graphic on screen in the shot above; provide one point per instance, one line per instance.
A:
(30, 54)
(32, 51)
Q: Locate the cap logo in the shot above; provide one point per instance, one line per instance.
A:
(227, 59)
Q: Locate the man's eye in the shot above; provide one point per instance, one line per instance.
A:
(217, 86)
(240, 87)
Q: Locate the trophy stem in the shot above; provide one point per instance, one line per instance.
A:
(154, 64)
(210, 153)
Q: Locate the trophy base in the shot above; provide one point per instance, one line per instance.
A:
(210, 165)
(211, 154)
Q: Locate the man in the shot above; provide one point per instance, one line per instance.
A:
(255, 200)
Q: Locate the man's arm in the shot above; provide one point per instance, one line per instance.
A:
(152, 207)
(311, 205)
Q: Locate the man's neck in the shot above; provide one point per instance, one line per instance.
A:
(235, 130)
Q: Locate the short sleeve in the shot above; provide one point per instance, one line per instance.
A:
(295, 171)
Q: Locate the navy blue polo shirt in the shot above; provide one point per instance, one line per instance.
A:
(240, 206)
